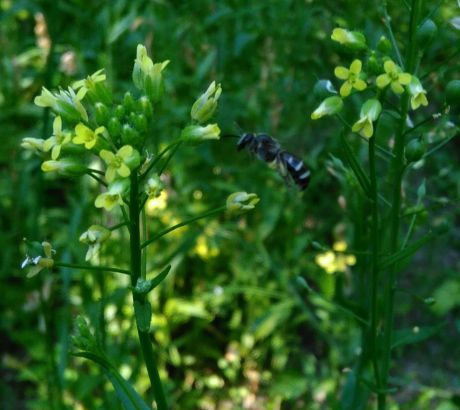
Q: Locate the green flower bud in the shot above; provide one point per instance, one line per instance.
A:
(453, 92)
(323, 89)
(114, 128)
(426, 33)
(101, 113)
(240, 202)
(119, 112)
(354, 40)
(329, 106)
(415, 150)
(204, 107)
(197, 133)
(130, 136)
(34, 145)
(128, 102)
(140, 123)
(374, 66)
(65, 166)
(144, 106)
(384, 45)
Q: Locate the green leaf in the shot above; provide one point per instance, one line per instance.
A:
(406, 252)
(414, 335)
(121, 26)
(130, 399)
(269, 321)
(143, 312)
(355, 394)
(447, 296)
(145, 286)
(289, 385)
(356, 167)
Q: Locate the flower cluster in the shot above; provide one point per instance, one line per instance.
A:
(381, 73)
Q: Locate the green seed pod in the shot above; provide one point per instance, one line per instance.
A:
(101, 113)
(453, 92)
(426, 33)
(415, 150)
(323, 89)
(384, 45)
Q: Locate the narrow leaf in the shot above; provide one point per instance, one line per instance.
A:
(414, 335)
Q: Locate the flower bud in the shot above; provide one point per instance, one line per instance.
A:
(374, 66)
(144, 106)
(128, 102)
(329, 106)
(140, 123)
(426, 33)
(206, 104)
(119, 112)
(370, 111)
(323, 89)
(197, 133)
(65, 166)
(95, 87)
(35, 145)
(354, 40)
(114, 128)
(415, 150)
(130, 136)
(240, 202)
(384, 45)
(101, 113)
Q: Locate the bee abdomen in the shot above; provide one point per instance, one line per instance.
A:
(296, 169)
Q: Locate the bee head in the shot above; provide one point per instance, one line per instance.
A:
(246, 140)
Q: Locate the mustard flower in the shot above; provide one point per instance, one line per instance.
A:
(206, 104)
(352, 78)
(196, 133)
(86, 136)
(148, 76)
(65, 103)
(114, 195)
(120, 163)
(57, 140)
(95, 86)
(336, 260)
(38, 263)
(240, 202)
(352, 39)
(418, 94)
(394, 76)
(66, 166)
(153, 187)
(329, 106)
(94, 237)
(370, 111)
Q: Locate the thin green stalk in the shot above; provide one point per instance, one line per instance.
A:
(91, 267)
(136, 269)
(374, 260)
(181, 224)
(397, 176)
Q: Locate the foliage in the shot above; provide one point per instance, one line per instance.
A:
(232, 324)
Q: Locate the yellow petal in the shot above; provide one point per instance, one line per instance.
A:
(124, 171)
(360, 85)
(342, 73)
(389, 66)
(125, 151)
(345, 89)
(356, 66)
(396, 87)
(405, 78)
(382, 80)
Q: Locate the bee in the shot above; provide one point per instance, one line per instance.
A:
(269, 150)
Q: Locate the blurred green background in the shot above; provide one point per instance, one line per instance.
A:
(233, 329)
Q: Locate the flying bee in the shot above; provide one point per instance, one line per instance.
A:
(269, 150)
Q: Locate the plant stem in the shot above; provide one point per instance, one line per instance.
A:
(136, 268)
(374, 260)
(397, 172)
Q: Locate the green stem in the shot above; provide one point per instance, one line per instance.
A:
(136, 269)
(181, 224)
(397, 176)
(374, 260)
(90, 267)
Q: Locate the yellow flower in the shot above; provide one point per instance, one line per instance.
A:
(336, 261)
(38, 263)
(114, 195)
(87, 136)
(57, 140)
(240, 202)
(94, 237)
(370, 111)
(352, 78)
(351, 39)
(206, 104)
(393, 76)
(418, 94)
(118, 163)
